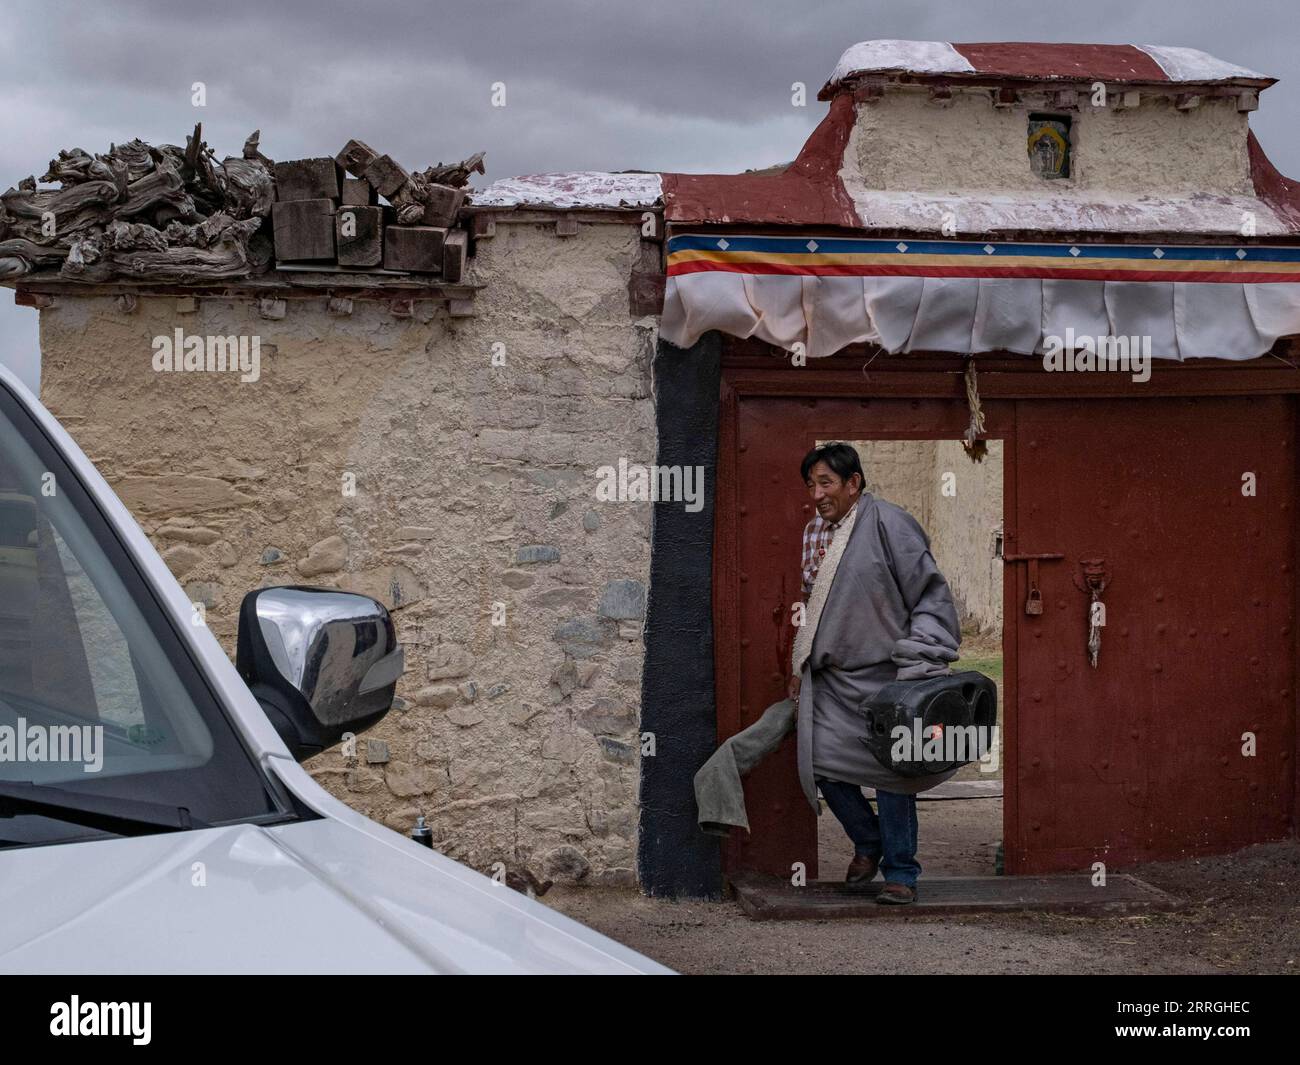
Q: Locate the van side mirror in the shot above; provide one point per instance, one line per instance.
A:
(321, 662)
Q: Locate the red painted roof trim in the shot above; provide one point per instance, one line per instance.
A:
(1076, 62)
(807, 192)
(1280, 193)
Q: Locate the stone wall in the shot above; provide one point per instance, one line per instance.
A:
(391, 456)
(964, 524)
(962, 513)
(901, 471)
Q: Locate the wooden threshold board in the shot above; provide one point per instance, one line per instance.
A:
(769, 898)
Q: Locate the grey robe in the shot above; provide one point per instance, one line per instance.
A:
(888, 616)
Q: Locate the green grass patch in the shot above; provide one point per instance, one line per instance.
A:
(989, 665)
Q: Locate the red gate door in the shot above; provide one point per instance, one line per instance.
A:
(1184, 508)
(762, 508)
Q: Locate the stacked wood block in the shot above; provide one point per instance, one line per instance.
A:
(359, 233)
(303, 229)
(307, 179)
(442, 204)
(302, 217)
(330, 209)
(358, 192)
(454, 249)
(414, 248)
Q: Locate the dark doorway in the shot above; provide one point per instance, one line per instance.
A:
(761, 511)
(958, 502)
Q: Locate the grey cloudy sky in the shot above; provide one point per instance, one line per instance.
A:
(612, 85)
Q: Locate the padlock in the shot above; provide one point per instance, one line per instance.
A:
(1034, 604)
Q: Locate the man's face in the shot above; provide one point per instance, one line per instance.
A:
(832, 496)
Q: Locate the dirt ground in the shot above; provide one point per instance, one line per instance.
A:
(1244, 915)
(1244, 918)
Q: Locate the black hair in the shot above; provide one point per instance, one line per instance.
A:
(841, 458)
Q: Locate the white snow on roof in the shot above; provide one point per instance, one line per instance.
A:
(917, 57)
(940, 57)
(583, 188)
(990, 212)
(1191, 64)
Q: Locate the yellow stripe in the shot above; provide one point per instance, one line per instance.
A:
(1042, 261)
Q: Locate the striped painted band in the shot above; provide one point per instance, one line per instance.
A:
(849, 257)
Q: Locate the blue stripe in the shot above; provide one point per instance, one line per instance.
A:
(847, 246)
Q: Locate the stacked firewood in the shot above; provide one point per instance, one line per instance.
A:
(178, 215)
(329, 209)
(166, 213)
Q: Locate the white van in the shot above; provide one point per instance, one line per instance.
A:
(153, 814)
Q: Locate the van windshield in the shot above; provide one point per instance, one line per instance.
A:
(100, 703)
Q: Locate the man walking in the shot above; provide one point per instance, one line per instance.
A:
(877, 610)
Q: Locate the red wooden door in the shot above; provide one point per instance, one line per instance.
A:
(762, 508)
(1141, 758)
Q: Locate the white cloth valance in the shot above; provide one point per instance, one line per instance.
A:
(1226, 318)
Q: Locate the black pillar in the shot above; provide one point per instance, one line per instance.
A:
(675, 858)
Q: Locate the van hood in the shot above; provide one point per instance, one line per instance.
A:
(316, 896)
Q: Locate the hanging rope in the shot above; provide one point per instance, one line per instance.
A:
(975, 447)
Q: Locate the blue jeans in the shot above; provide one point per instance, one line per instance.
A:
(890, 838)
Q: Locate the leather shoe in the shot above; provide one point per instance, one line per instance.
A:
(893, 894)
(861, 870)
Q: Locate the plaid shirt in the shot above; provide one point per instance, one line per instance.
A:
(817, 537)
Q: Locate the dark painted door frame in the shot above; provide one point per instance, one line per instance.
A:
(761, 512)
